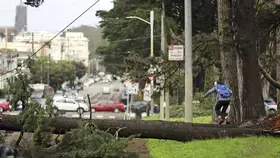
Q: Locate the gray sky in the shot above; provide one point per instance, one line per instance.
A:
(54, 15)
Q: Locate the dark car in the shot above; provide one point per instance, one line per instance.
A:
(143, 106)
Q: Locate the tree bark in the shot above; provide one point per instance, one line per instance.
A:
(278, 65)
(265, 88)
(228, 56)
(179, 131)
(251, 95)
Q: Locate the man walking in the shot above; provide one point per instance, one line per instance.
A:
(223, 97)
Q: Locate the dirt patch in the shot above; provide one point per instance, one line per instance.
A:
(139, 146)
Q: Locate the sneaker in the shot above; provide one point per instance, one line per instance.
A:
(221, 122)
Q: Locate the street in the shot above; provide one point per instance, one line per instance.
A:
(95, 93)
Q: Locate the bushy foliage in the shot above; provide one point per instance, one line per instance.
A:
(84, 142)
(87, 141)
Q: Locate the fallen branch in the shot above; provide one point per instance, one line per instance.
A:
(178, 131)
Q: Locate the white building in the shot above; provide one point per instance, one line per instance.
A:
(72, 46)
(40, 39)
(75, 47)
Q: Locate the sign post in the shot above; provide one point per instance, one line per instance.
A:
(176, 52)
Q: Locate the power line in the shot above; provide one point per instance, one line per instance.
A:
(132, 39)
(53, 37)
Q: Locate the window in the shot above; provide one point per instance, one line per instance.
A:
(81, 101)
(110, 102)
(61, 101)
(70, 102)
(102, 102)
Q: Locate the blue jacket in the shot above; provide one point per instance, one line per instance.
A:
(219, 98)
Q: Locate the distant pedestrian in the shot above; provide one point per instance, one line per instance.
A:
(223, 96)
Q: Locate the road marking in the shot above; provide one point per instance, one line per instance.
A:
(86, 116)
(75, 115)
(112, 117)
(99, 116)
(11, 113)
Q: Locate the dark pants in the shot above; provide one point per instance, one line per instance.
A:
(224, 105)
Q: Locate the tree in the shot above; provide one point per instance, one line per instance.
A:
(228, 56)
(179, 131)
(80, 69)
(60, 72)
(34, 3)
(249, 77)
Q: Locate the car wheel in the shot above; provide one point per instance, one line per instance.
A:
(55, 110)
(1, 110)
(116, 110)
(93, 110)
(271, 111)
(80, 110)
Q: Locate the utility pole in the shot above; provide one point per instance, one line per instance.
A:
(188, 63)
(152, 55)
(96, 62)
(6, 39)
(49, 63)
(41, 71)
(32, 34)
(162, 49)
(6, 48)
(68, 49)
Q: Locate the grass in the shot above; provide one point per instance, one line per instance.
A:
(251, 147)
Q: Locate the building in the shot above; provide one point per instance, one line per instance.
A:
(40, 39)
(21, 17)
(75, 47)
(71, 46)
(11, 33)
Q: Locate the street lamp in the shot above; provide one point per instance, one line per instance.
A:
(151, 23)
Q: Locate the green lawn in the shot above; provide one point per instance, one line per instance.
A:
(252, 147)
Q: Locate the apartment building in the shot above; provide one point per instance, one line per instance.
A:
(75, 47)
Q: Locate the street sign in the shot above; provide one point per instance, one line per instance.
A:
(176, 52)
(133, 88)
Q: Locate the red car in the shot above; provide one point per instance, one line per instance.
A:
(108, 106)
(4, 106)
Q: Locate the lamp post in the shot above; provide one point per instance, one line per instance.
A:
(151, 23)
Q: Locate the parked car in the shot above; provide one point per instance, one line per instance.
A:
(4, 106)
(143, 106)
(270, 106)
(37, 94)
(67, 104)
(108, 106)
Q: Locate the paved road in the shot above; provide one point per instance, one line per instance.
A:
(95, 93)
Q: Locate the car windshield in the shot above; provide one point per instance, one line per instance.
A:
(270, 102)
(137, 103)
(80, 101)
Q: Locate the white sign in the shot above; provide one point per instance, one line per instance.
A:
(176, 52)
(134, 89)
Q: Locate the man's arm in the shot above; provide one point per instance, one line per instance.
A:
(210, 91)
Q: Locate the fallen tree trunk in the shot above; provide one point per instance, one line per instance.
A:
(178, 131)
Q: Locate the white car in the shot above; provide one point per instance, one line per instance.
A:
(67, 104)
(270, 106)
(106, 90)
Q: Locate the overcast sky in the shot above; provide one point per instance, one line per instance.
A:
(54, 15)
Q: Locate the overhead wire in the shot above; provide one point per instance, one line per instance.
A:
(48, 42)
